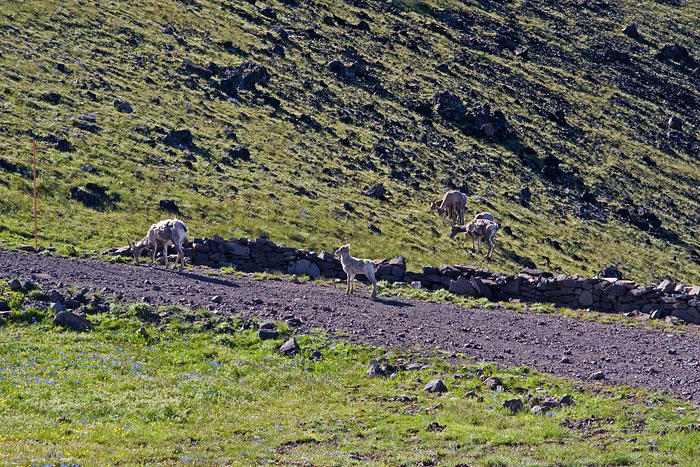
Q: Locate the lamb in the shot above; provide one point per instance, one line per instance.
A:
(353, 266)
(478, 229)
(164, 233)
(453, 204)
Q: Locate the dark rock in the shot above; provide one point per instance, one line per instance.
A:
(631, 31)
(64, 145)
(179, 139)
(169, 205)
(55, 296)
(462, 286)
(239, 153)
(4, 306)
(375, 370)
(290, 347)
(598, 375)
(374, 229)
(513, 405)
(71, 303)
(435, 386)
(376, 191)
(362, 26)
(51, 97)
(315, 355)
(70, 320)
(434, 427)
(267, 334)
(525, 195)
(15, 285)
(566, 399)
(674, 52)
(449, 106)
(269, 12)
(675, 123)
(123, 107)
(613, 272)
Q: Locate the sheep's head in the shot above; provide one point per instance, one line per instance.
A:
(435, 205)
(136, 251)
(343, 249)
(455, 230)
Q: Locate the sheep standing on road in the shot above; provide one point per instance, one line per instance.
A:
(478, 229)
(164, 233)
(353, 266)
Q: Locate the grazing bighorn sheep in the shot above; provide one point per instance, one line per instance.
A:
(484, 215)
(164, 233)
(453, 205)
(353, 266)
(478, 229)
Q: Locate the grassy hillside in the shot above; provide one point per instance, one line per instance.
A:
(586, 108)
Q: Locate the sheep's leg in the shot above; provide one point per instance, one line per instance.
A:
(180, 256)
(373, 279)
(154, 249)
(348, 280)
(165, 253)
(473, 243)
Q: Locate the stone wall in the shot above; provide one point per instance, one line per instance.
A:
(530, 285)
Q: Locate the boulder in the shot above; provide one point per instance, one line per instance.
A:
(123, 107)
(70, 320)
(449, 106)
(169, 205)
(689, 315)
(179, 139)
(513, 405)
(435, 386)
(482, 290)
(462, 286)
(290, 347)
(631, 31)
(267, 334)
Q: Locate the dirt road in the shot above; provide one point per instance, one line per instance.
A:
(633, 355)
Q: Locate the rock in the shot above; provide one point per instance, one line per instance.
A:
(315, 355)
(492, 383)
(363, 26)
(536, 410)
(269, 12)
(375, 370)
(71, 303)
(435, 386)
(70, 320)
(239, 153)
(598, 375)
(513, 405)
(525, 195)
(267, 334)
(179, 139)
(15, 285)
(565, 359)
(689, 315)
(4, 306)
(566, 399)
(522, 52)
(615, 290)
(51, 97)
(123, 107)
(488, 130)
(674, 52)
(199, 70)
(449, 106)
(462, 286)
(482, 290)
(612, 271)
(666, 286)
(675, 123)
(550, 403)
(57, 307)
(142, 332)
(169, 205)
(434, 427)
(376, 191)
(290, 347)
(217, 299)
(64, 145)
(631, 31)
(586, 298)
(399, 261)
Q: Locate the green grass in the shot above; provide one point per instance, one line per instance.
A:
(179, 395)
(616, 118)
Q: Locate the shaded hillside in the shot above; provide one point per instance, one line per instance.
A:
(322, 122)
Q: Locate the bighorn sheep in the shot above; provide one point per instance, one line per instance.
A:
(353, 266)
(164, 233)
(478, 229)
(484, 215)
(453, 205)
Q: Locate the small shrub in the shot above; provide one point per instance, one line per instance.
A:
(67, 250)
(142, 311)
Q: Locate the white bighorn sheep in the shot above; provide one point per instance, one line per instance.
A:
(452, 205)
(164, 233)
(353, 266)
(478, 229)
